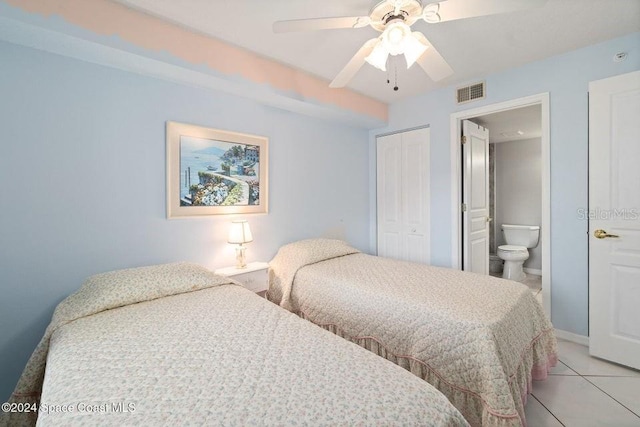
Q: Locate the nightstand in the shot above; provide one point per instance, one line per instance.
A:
(253, 276)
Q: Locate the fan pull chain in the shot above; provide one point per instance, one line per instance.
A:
(395, 67)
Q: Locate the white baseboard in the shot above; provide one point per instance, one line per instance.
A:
(570, 336)
(533, 271)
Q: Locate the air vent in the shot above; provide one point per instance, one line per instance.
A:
(470, 93)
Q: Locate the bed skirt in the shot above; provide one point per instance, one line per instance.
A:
(476, 411)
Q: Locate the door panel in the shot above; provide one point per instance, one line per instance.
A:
(389, 160)
(614, 206)
(479, 145)
(391, 185)
(403, 196)
(626, 297)
(415, 196)
(390, 245)
(478, 225)
(625, 156)
(413, 170)
(479, 255)
(415, 248)
(475, 153)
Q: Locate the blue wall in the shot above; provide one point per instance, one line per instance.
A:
(82, 171)
(82, 166)
(565, 78)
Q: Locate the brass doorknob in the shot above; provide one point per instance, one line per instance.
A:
(489, 219)
(601, 234)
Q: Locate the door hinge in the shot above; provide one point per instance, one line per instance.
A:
(463, 207)
(464, 139)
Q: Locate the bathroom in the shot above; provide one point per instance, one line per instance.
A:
(515, 190)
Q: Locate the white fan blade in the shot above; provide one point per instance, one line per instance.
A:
(320, 24)
(431, 61)
(354, 64)
(449, 10)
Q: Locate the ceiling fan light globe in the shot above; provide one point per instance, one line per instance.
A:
(394, 37)
(413, 50)
(378, 57)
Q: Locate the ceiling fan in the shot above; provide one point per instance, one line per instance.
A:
(394, 18)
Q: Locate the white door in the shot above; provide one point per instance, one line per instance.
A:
(403, 196)
(614, 219)
(475, 197)
(389, 182)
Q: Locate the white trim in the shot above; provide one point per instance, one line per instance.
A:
(534, 271)
(570, 336)
(395, 132)
(541, 99)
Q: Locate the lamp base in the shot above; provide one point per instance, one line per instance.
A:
(241, 261)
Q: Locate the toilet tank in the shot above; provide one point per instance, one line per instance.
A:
(521, 235)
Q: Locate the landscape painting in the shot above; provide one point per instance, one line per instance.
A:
(218, 172)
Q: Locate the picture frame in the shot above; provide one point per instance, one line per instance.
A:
(215, 172)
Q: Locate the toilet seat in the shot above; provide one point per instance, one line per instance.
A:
(519, 239)
(512, 248)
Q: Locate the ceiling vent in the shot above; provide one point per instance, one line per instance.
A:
(470, 93)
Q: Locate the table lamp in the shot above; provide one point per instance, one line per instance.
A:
(239, 234)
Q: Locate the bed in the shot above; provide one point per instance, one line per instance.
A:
(177, 345)
(479, 340)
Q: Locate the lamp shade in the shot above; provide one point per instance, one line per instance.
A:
(413, 50)
(378, 57)
(240, 232)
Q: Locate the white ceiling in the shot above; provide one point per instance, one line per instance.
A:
(506, 125)
(473, 47)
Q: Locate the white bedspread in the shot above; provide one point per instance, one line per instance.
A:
(478, 339)
(197, 351)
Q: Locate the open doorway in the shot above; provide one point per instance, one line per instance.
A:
(515, 194)
(511, 189)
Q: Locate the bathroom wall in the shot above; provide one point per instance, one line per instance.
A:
(492, 199)
(519, 189)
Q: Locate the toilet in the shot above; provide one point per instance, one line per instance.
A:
(519, 239)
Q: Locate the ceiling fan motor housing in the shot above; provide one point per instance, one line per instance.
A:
(385, 12)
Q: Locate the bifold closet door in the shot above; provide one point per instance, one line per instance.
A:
(403, 196)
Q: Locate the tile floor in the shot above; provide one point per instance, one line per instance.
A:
(585, 391)
(581, 390)
(532, 281)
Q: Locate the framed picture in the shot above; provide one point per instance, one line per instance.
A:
(212, 172)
